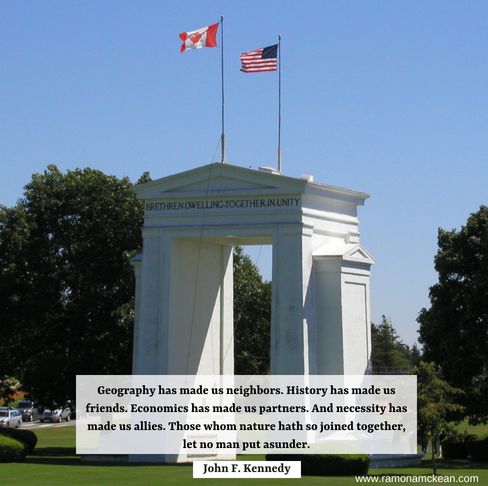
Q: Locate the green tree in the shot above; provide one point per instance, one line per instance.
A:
(9, 385)
(454, 330)
(252, 317)
(436, 408)
(389, 354)
(415, 355)
(67, 287)
(66, 283)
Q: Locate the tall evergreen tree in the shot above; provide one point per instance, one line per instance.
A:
(389, 354)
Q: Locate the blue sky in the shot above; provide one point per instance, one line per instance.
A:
(388, 98)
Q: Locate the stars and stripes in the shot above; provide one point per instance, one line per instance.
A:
(260, 60)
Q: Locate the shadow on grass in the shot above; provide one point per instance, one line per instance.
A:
(454, 464)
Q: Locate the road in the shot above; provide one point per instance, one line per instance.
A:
(39, 425)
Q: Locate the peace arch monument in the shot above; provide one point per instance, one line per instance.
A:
(184, 284)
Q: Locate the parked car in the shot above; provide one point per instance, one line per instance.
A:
(66, 414)
(29, 410)
(56, 415)
(10, 417)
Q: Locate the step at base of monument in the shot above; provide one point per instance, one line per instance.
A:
(379, 461)
(101, 458)
(153, 458)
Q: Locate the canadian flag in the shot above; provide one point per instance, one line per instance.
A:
(204, 37)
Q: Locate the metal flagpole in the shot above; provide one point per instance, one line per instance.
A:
(279, 103)
(222, 140)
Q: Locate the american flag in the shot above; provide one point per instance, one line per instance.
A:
(260, 60)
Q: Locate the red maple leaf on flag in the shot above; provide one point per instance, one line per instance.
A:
(195, 37)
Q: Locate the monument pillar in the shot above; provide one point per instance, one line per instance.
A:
(147, 351)
(292, 272)
(200, 323)
(343, 317)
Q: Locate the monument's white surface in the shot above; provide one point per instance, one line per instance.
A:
(184, 285)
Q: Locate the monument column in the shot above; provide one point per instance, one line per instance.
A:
(147, 353)
(288, 355)
(137, 265)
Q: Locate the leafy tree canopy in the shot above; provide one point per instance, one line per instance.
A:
(9, 385)
(67, 286)
(454, 330)
(252, 316)
(66, 283)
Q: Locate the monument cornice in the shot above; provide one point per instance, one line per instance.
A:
(225, 180)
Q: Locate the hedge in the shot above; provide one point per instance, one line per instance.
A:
(327, 464)
(26, 436)
(11, 450)
(456, 447)
(478, 449)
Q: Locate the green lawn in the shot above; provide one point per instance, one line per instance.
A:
(55, 463)
(480, 430)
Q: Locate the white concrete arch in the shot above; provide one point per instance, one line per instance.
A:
(184, 298)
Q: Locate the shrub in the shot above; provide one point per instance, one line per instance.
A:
(26, 436)
(454, 449)
(327, 464)
(478, 449)
(11, 450)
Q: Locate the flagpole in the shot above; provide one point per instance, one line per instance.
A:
(279, 103)
(222, 140)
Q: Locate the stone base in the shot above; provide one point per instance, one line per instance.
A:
(380, 461)
(102, 458)
(152, 458)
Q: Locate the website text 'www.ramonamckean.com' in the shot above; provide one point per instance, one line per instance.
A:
(417, 479)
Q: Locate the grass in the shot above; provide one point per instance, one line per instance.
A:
(54, 462)
(480, 430)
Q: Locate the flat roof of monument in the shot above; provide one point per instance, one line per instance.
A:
(266, 179)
